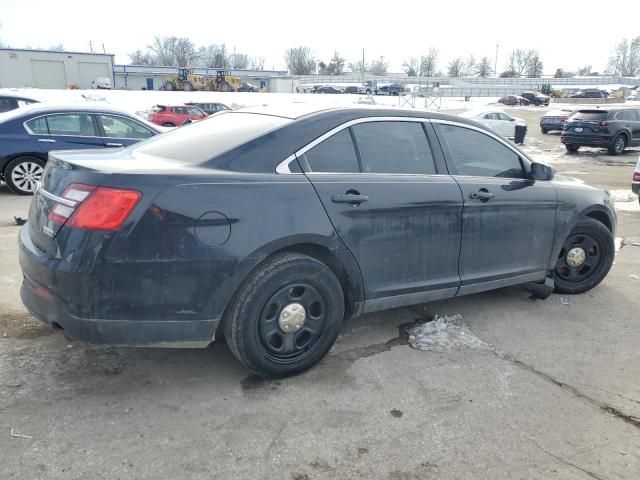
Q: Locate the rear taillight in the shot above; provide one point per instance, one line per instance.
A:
(636, 176)
(94, 208)
(564, 119)
(606, 123)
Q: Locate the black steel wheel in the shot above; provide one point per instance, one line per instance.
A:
(285, 318)
(585, 257)
(618, 145)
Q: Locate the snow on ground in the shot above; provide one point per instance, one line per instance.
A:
(443, 334)
(143, 100)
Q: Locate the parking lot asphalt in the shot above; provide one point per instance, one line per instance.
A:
(551, 388)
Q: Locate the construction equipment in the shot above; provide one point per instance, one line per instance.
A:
(187, 81)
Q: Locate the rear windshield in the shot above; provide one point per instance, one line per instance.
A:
(590, 115)
(204, 140)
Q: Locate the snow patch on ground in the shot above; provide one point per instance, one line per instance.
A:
(623, 195)
(443, 334)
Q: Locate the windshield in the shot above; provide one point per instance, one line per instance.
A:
(590, 115)
(202, 141)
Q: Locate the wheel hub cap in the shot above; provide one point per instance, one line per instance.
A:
(292, 317)
(576, 257)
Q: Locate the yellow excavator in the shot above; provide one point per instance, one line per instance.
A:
(188, 82)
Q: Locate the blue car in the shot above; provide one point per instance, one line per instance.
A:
(28, 134)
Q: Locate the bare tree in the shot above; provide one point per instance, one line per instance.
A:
(213, 56)
(561, 73)
(57, 48)
(337, 63)
(256, 63)
(411, 67)
(359, 67)
(519, 60)
(585, 71)
(170, 51)
(300, 61)
(239, 60)
(625, 60)
(428, 63)
(468, 66)
(455, 67)
(534, 68)
(484, 67)
(379, 66)
(142, 58)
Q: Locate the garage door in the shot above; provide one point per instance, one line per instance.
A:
(89, 71)
(48, 74)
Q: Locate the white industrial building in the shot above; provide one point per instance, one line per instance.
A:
(51, 69)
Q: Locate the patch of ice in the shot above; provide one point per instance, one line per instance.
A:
(443, 334)
(623, 195)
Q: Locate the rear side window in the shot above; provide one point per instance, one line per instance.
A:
(7, 104)
(38, 126)
(477, 154)
(394, 147)
(120, 127)
(209, 138)
(75, 124)
(336, 154)
(628, 115)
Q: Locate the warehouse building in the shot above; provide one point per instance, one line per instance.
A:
(51, 69)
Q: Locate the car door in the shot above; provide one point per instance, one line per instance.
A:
(632, 118)
(508, 221)
(507, 125)
(118, 131)
(396, 213)
(65, 131)
(490, 120)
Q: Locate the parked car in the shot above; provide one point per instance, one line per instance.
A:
(555, 120)
(328, 89)
(28, 134)
(102, 83)
(247, 87)
(370, 87)
(354, 89)
(175, 115)
(635, 181)
(513, 100)
(392, 89)
(209, 108)
(10, 102)
(496, 120)
(536, 98)
(268, 226)
(590, 94)
(614, 129)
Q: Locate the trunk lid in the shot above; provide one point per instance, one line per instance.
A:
(586, 122)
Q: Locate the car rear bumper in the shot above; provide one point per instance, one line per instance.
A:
(551, 126)
(53, 292)
(635, 188)
(586, 140)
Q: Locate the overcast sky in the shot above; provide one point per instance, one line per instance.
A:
(567, 34)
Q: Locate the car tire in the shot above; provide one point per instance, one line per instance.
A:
(22, 175)
(253, 323)
(544, 131)
(571, 148)
(618, 145)
(168, 124)
(585, 257)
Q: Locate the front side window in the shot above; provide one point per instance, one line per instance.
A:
(394, 147)
(336, 154)
(120, 127)
(195, 111)
(504, 117)
(476, 154)
(75, 124)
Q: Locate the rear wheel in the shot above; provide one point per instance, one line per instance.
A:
(187, 86)
(168, 124)
(585, 258)
(544, 131)
(571, 148)
(22, 175)
(169, 86)
(618, 145)
(286, 317)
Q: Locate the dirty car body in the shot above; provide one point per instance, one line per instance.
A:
(393, 207)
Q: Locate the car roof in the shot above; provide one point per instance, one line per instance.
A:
(480, 111)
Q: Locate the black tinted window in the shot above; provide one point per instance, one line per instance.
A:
(335, 154)
(394, 147)
(590, 115)
(478, 154)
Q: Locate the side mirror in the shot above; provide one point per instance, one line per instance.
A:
(540, 171)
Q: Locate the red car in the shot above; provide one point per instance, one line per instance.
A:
(175, 115)
(513, 100)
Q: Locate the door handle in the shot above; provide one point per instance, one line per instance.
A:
(350, 198)
(46, 140)
(483, 195)
(115, 145)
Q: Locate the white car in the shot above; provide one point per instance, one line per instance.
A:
(496, 119)
(102, 83)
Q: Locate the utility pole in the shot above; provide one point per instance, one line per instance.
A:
(90, 46)
(496, 67)
(362, 67)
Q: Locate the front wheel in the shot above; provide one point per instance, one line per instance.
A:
(618, 145)
(571, 148)
(544, 131)
(585, 257)
(286, 317)
(23, 174)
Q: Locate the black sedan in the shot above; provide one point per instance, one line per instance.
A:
(276, 225)
(27, 135)
(328, 89)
